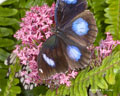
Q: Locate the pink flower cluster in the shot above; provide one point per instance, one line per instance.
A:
(35, 29)
(64, 78)
(106, 46)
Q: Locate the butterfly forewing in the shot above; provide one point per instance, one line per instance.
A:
(81, 29)
(67, 9)
(79, 33)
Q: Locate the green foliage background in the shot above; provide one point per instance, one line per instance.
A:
(106, 77)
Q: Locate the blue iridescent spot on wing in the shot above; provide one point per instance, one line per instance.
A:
(80, 27)
(70, 1)
(73, 52)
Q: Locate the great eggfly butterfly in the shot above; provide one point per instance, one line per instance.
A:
(67, 48)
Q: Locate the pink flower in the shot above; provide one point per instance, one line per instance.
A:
(73, 74)
(68, 83)
(35, 26)
(106, 46)
(64, 79)
(27, 80)
(23, 73)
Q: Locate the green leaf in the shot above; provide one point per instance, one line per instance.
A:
(15, 81)
(3, 73)
(113, 18)
(54, 93)
(110, 76)
(11, 89)
(5, 32)
(10, 48)
(15, 89)
(49, 2)
(85, 88)
(93, 85)
(98, 7)
(3, 66)
(3, 83)
(60, 91)
(4, 12)
(114, 90)
(49, 92)
(8, 2)
(83, 91)
(76, 89)
(72, 91)
(102, 83)
(7, 21)
(35, 92)
(12, 94)
(66, 91)
(38, 2)
(6, 42)
(3, 54)
(29, 3)
(79, 81)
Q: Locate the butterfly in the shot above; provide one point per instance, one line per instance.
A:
(67, 49)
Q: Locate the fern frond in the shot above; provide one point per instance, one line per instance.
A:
(97, 7)
(113, 18)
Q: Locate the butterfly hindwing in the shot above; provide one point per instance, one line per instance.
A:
(51, 58)
(77, 56)
(67, 9)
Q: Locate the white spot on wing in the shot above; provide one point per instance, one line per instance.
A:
(41, 70)
(49, 61)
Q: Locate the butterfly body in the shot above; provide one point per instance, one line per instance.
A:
(67, 48)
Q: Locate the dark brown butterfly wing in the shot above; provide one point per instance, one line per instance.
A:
(67, 9)
(81, 29)
(51, 58)
(68, 48)
(58, 55)
(80, 32)
(77, 56)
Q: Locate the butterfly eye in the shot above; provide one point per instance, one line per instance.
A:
(73, 52)
(70, 1)
(49, 61)
(80, 27)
